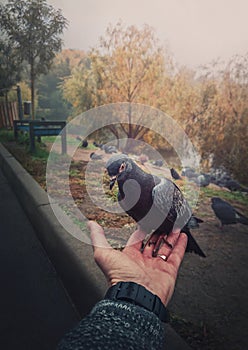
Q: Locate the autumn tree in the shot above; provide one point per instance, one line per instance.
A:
(34, 29)
(10, 68)
(233, 110)
(128, 65)
(222, 130)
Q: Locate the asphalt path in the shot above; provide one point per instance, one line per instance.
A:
(35, 310)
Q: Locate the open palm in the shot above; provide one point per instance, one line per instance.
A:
(130, 265)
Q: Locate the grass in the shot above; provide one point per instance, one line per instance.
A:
(35, 162)
(6, 135)
(71, 140)
(226, 195)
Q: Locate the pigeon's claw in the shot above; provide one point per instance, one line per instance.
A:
(156, 239)
(158, 245)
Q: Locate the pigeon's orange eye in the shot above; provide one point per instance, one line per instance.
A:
(122, 167)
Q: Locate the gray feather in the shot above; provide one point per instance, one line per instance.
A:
(169, 199)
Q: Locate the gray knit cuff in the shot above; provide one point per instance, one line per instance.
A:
(136, 314)
(116, 325)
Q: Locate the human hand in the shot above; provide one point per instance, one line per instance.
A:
(130, 265)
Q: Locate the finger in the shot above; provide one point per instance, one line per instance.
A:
(136, 238)
(98, 238)
(178, 251)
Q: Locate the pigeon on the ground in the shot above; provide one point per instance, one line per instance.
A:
(158, 162)
(234, 185)
(226, 213)
(84, 142)
(189, 172)
(143, 159)
(194, 222)
(203, 180)
(109, 149)
(174, 174)
(96, 144)
(95, 156)
(156, 204)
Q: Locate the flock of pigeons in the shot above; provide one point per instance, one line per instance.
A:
(219, 177)
(119, 167)
(109, 149)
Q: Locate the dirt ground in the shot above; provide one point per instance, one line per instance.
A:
(210, 303)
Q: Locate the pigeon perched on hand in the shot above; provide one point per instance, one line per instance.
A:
(226, 213)
(156, 204)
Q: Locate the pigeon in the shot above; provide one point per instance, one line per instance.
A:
(174, 174)
(189, 173)
(96, 144)
(155, 203)
(203, 180)
(194, 222)
(84, 142)
(95, 156)
(143, 159)
(109, 149)
(233, 185)
(158, 162)
(226, 213)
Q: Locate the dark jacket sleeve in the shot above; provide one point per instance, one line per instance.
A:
(116, 325)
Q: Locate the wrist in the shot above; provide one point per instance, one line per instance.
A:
(138, 295)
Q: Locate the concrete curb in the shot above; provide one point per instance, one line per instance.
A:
(72, 259)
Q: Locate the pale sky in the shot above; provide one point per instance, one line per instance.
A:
(197, 31)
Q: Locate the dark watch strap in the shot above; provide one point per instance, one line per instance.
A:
(138, 295)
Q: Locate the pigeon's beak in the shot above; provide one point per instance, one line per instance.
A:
(112, 182)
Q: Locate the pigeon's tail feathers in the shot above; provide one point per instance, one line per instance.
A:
(192, 245)
(241, 218)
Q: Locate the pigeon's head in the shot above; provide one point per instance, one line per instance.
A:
(118, 167)
(216, 200)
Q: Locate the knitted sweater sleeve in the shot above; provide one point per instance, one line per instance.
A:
(115, 325)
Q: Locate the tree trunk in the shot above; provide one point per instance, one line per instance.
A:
(32, 80)
(7, 109)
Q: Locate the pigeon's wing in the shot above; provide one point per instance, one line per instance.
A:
(224, 208)
(224, 212)
(168, 198)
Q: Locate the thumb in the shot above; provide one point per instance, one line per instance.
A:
(98, 238)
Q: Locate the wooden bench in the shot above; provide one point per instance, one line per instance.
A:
(41, 128)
